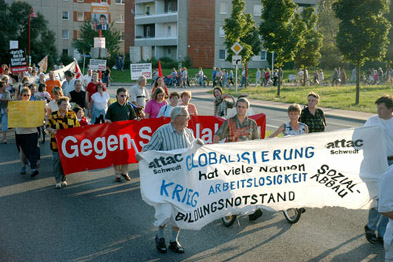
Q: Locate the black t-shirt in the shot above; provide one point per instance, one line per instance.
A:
(78, 98)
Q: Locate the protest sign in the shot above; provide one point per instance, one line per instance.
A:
(200, 184)
(138, 70)
(26, 113)
(18, 61)
(98, 64)
(100, 146)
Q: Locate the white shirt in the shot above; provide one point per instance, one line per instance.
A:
(68, 86)
(100, 101)
(387, 126)
(139, 95)
(53, 105)
(86, 80)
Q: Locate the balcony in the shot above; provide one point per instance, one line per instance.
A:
(155, 41)
(155, 18)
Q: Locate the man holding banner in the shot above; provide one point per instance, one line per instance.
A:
(120, 111)
(240, 128)
(376, 222)
(174, 135)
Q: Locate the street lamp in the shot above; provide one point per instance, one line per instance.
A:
(31, 14)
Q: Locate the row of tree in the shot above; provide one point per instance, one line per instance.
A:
(364, 32)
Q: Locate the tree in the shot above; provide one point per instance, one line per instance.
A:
(389, 54)
(240, 27)
(15, 26)
(328, 27)
(282, 31)
(309, 55)
(83, 45)
(363, 32)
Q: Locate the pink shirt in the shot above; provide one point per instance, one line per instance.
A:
(153, 108)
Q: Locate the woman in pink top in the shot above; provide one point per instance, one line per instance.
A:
(154, 105)
(185, 98)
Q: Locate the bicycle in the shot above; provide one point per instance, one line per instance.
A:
(292, 215)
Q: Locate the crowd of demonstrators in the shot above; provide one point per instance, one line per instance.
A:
(384, 118)
(139, 96)
(106, 76)
(69, 83)
(80, 113)
(98, 106)
(57, 92)
(120, 111)
(240, 128)
(155, 103)
(313, 116)
(27, 142)
(63, 118)
(201, 76)
(91, 88)
(86, 79)
(221, 105)
(51, 83)
(174, 135)
(293, 127)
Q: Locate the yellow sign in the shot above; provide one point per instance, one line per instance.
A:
(26, 113)
(236, 48)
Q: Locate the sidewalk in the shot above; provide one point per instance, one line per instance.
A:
(201, 94)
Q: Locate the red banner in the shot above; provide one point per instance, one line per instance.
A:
(100, 146)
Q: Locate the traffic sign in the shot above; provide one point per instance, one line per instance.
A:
(236, 60)
(237, 48)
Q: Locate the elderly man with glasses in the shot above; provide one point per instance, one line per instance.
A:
(174, 135)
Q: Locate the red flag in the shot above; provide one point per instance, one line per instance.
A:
(160, 69)
(78, 73)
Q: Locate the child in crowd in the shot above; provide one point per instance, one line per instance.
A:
(80, 115)
(293, 127)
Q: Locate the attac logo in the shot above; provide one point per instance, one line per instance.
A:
(350, 146)
(164, 161)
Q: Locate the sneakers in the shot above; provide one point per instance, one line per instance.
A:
(34, 173)
(64, 183)
(370, 235)
(258, 213)
(118, 179)
(176, 247)
(23, 170)
(160, 244)
(126, 177)
(58, 185)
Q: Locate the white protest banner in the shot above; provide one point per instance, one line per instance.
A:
(98, 64)
(138, 70)
(192, 187)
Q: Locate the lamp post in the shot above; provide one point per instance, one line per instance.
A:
(31, 14)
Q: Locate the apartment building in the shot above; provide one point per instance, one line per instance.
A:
(180, 28)
(65, 18)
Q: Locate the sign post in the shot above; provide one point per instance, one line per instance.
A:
(236, 48)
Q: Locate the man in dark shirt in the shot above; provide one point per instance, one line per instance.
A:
(120, 111)
(78, 96)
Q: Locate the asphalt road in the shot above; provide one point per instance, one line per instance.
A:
(97, 219)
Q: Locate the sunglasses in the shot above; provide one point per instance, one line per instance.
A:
(26, 95)
(123, 95)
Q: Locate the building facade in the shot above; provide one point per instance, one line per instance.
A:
(65, 17)
(186, 28)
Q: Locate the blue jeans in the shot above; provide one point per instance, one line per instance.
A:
(200, 80)
(4, 122)
(95, 113)
(57, 168)
(376, 221)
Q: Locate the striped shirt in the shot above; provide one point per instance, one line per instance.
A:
(57, 121)
(167, 138)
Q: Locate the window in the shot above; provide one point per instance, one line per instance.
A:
(169, 30)
(169, 52)
(257, 10)
(78, 35)
(81, 1)
(121, 2)
(80, 16)
(65, 15)
(263, 55)
(221, 54)
(223, 8)
(65, 52)
(121, 36)
(121, 19)
(222, 32)
(148, 10)
(104, 1)
(66, 34)
(170, 7)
